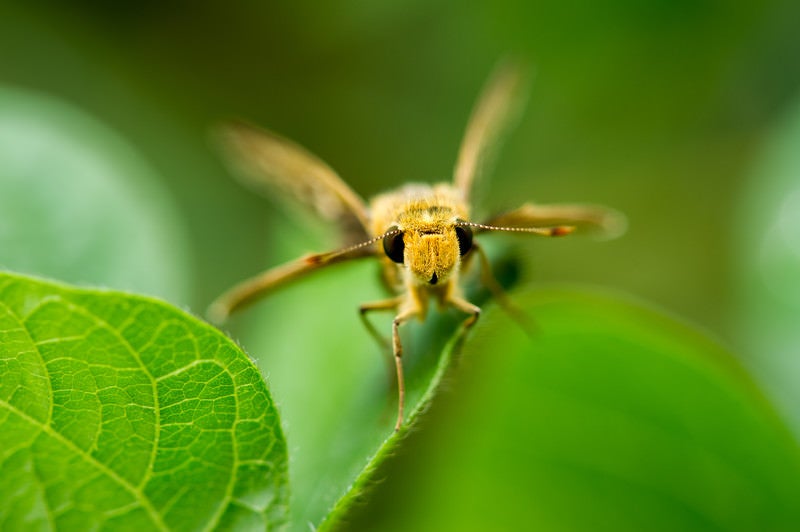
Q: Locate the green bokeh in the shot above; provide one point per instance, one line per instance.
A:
(78, 204)
(767, 267)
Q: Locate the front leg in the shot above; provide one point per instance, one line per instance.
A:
(384, 304)
(397, 349)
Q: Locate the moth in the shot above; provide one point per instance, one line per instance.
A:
(423, 235)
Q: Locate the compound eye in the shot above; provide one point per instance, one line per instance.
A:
(464, 236)
(394, 246)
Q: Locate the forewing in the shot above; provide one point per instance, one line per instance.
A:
(602, 221)
(272, 164)
(500, 103)
(255, 288)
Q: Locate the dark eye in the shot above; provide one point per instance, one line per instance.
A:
(394, 246)
(464, 236)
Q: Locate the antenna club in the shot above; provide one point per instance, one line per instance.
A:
(562, 230)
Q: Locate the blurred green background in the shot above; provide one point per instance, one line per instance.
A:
(683, 115)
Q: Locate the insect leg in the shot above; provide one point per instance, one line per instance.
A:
(384, 304)
(397, 348)
(465, 306)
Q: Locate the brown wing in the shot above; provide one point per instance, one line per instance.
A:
(270, 163)
(500, 102)
(604, 221)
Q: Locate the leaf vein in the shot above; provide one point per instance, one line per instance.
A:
(143, 501)
(48, 377)
(135, 354)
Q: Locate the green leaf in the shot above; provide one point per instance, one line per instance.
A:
(611, 416)
(78, 203)
(121, 412)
